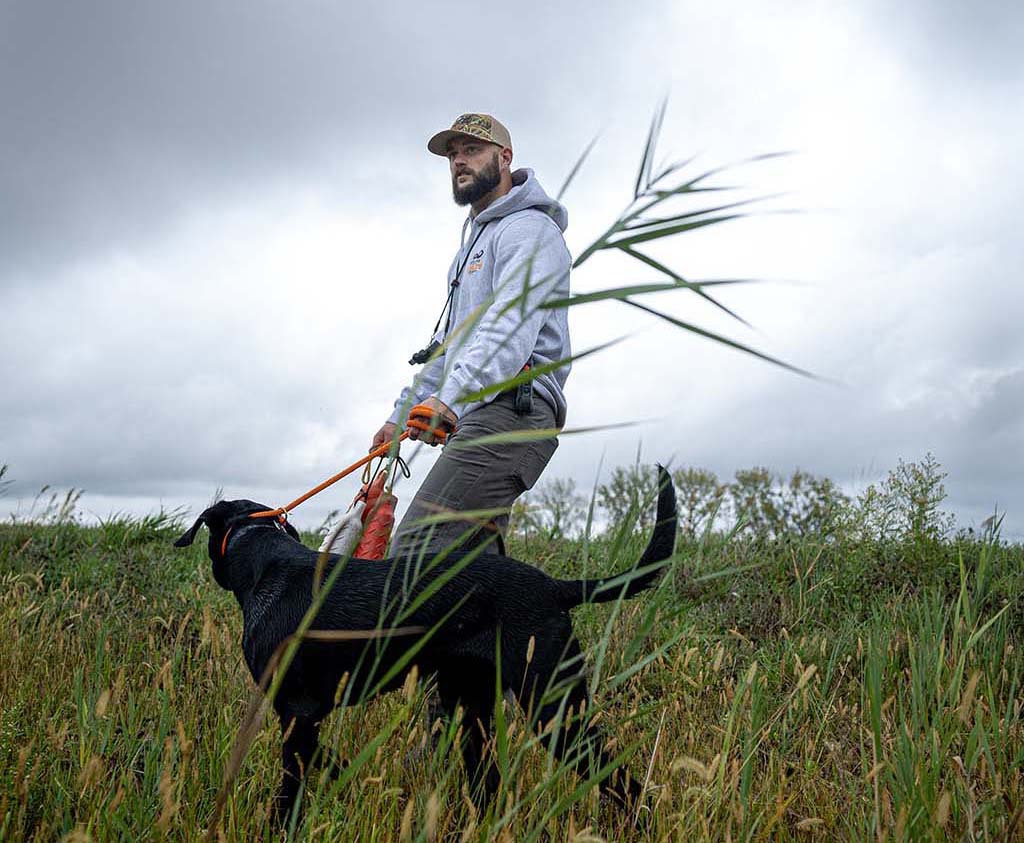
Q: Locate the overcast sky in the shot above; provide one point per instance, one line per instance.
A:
(221, 235)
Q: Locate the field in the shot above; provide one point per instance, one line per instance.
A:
(782, 688)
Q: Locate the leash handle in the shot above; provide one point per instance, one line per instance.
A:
(420, 418)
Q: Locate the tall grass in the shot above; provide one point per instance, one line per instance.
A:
(893, 717)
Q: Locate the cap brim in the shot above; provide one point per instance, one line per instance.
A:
(439, 143)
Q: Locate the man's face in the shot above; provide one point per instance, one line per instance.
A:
(475, 167)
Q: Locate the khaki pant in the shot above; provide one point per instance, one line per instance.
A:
(487, 476)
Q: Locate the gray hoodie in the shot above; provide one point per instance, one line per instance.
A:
(519, 260)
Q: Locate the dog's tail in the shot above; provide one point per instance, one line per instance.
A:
(646, 572)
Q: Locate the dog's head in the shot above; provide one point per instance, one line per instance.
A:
(220, 519)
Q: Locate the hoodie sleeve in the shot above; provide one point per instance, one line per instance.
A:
(531, 265)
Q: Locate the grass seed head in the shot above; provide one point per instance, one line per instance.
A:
(433, 810)
(405, 831)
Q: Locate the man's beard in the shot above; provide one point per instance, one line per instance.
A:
(479, 186)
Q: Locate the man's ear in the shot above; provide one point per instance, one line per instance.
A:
(189, 535)
(506, 158)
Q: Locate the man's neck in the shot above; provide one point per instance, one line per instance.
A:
(504, 186)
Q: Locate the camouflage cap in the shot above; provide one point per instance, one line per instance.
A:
(481, 126)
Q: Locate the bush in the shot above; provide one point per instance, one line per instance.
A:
(700, 499)
(627, 496)
(554, 510)
(767, 506)
(905, 506)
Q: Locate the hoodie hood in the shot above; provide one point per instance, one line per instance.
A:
(526, 193)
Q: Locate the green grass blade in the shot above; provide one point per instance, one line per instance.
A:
(641, 289)
(575, 169)
(669, 169)
(644, 173)
(535, 435)
(406, 658)
(698, 289)
(687, 187)
(671, 230)
(641, 224)
(535, 372)
(689, 326)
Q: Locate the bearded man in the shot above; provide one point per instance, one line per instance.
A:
(511, 260)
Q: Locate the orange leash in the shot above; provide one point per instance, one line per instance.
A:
(330, 481)
(420, 417)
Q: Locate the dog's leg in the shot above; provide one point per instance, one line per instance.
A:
(477, 701)
(300, 735)
(483, 773)
(577, 741)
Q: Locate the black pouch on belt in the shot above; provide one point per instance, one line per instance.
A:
(523, 403)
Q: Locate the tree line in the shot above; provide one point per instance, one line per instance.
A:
(756, 502)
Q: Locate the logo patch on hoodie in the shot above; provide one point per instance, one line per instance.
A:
(476, 262)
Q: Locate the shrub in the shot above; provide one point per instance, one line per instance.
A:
(554, 510)
(628, 495)
(767, 506)
(700, 498)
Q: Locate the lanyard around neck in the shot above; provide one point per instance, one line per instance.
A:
(424, 355)
(455, 283)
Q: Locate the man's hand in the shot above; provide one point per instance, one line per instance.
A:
(443, 418)
(385, 434)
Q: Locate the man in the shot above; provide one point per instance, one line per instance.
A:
(512, 259)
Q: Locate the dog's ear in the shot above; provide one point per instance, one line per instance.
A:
(189, 535)
(214, 517)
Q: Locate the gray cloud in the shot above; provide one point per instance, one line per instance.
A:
(980, 40)
(119, 118)
(218, 227)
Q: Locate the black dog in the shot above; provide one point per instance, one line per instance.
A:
(470, 603)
